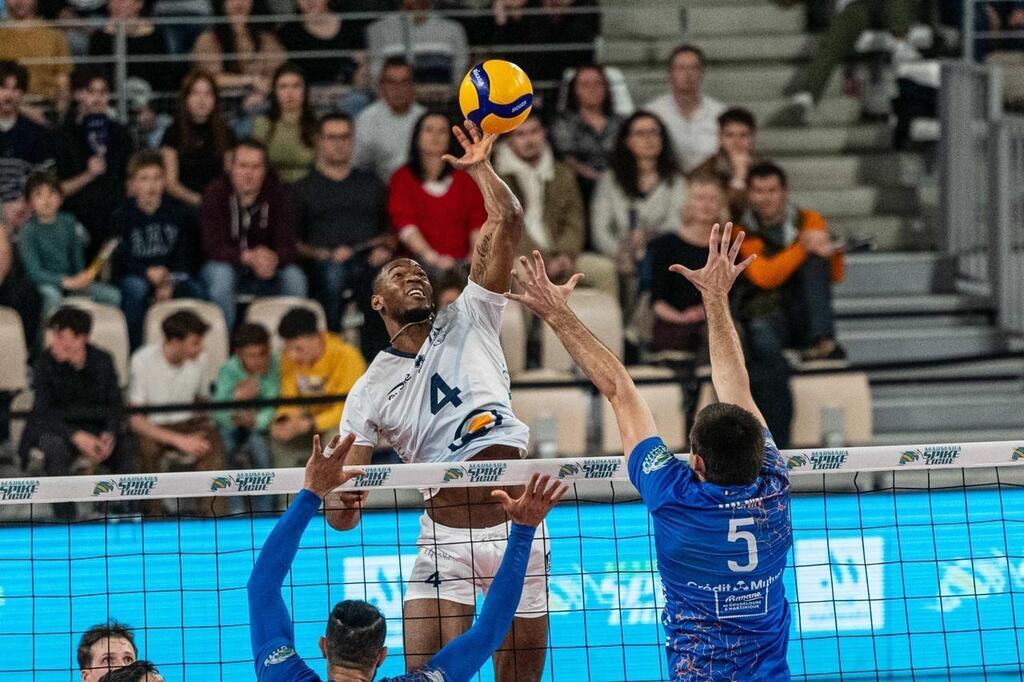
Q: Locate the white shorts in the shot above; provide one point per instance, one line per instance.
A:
(454, 563)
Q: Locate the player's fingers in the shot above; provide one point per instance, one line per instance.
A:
(541, 484)
(734, 250)
(531, 274)
(745, 264)
(538, 261)
(316, 445)
(559, 493)
(349, 473)
(461, 137)
(451, 160)
(681, 270)
(503, 498)
(340, 451)
(474, 132)
(723, 248)
(518, 298)
(574, 280)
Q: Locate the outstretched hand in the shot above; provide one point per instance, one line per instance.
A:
(530, 508)
(476, 145)
(540, 294)
(717, 276)
(324, 473)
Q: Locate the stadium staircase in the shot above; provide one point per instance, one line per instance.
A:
(939, 368)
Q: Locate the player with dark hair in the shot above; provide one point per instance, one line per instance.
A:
(721, 521)
(105, 647)
(354, 641)
(139, 671)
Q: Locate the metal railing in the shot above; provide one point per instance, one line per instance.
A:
(982, 181)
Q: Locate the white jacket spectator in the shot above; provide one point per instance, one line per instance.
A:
(436, 46)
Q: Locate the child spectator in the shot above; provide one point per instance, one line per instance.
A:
(250, 373)
(52, 251)
(155, 258)
(313, 363)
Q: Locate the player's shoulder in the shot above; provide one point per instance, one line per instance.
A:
(280, 662)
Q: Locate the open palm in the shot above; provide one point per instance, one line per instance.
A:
(476, 147)
(721, 270)
(539, 293)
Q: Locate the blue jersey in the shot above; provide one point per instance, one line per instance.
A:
(273, 635)
(721, 554)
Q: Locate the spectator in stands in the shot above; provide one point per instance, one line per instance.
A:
(170, 373)
(92, 156)
(435, 46)
(384, 128)
(17, 291)
(25, 146)
(139, 671)
(72, 374)
(584, 134)
(436, 210)
(677, 306)
(341, 213)
(639, 197)
(142, 39)
(105, 647)
(241, 55)
(323, 30)
(737, 129)
(197, 141)
(839, 43)
(314, 363)
(251, 373)
(155, 260)
(690, 115)
(52, 251)
(554, 216)
(788, 302)
(23, 35)
(289, 128)
(248, 233)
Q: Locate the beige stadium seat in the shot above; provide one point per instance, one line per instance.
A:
(269, 311)
(665, 401)
(600, 313)
(560, 413)
(216, 343)
(513, 337)
(109, 332)
(22, 402)
(812, 395)
(13, 375)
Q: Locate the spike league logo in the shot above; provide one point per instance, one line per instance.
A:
(1018, 454)
(826, 460)
(478, 472)
(373, 477)
(128, 486)
(18, 489)
(597, 469)
(931, 455)
(244, 482)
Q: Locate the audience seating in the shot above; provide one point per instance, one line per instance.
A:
(13, 374)
(269, 311)
(217, 339)
(562, 410)
(812, 394)
(513, 337)
(666, 402)
(22, 402)
(109, 332)
(598, 311)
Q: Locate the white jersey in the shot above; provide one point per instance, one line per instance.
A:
(450, 400)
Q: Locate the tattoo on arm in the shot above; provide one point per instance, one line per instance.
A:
(483, 251)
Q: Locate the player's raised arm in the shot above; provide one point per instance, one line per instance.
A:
(494, 253)
(550, 303)
(714, 280)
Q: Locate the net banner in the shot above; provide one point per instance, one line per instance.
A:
(464, 474)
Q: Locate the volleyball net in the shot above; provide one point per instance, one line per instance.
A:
(907, 563)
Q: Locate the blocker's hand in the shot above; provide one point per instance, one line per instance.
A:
(721, 270)
(540, 294)
(530, 508)
(476, 145)
(325, 473)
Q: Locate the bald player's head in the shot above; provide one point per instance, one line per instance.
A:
(728, 443)
(402, 292)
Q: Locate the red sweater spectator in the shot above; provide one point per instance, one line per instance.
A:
(446, 221)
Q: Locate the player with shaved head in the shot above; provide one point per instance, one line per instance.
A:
(440, 393)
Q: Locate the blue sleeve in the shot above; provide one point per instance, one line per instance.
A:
(463, 657)
(774, 462)
(657, 474)
(270, 625)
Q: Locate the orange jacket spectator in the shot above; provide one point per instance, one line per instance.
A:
(773, 267)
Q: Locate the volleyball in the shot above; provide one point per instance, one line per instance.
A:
(496, 96)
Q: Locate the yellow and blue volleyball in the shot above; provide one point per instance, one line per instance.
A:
(496, 96)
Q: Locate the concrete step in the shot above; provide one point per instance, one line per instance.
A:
(709, 20)
(850, 170)
(925, 306)
(889, 232)
(734, 83)
(911, 345)
(954, 388)
(974, 369)
(941, 435)
(719, 49)
(858, 201)
(636, 20)
(781, 142)
(932, 410)
(895, 274)
(948, 321)
(834, 110)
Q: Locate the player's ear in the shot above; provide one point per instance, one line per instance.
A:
(697, 464)
(323, 645)
(381, 656)
(377, 302)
